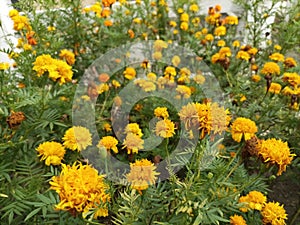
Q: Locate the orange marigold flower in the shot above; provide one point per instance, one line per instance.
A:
(275, 88)
(255, 78)
(165, 128)
(237, 220)
(81, 189)
(292, 78)
(220, 31)
(277, 57)
(243, 127)
(108, 3)
(270, 68)
(253, 200)
(129, 73)
(290, 62)
(273, 214)
(276, 152)
(142, 174)
(108, 23)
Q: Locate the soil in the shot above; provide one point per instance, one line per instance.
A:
(286, 190)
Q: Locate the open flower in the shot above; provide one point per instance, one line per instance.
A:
(109, 143)
(77, 138)
(165, 128)
(273, 214)
(253, 200)
(161, 112)
(52, 152)
(243, 127)
(237, 220)
(142, 174)
(133, 128)
(81, 189)
(276, 152)
(270, 68)
(129, 73)
(133, 143)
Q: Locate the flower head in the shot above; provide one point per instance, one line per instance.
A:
(277, 57)
(275, 88)
(276, 152)
(165, 128)
(129, 73)
(133, 143)
(52, 152)
(243, 127)
(77, 138)
(142, 174)
(81, 189)
(270, 68)
(273, 214)
(253, 200)
(68, 56)
(161, 112)
(134, 128)
(109, 143)
(237, 220)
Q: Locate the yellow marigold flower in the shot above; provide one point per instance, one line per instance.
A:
(252, 51)
(20, 22)
(184, 26)
(115, 84)
(77, 138)
(109, 143)
(189, 115)
(133, 143)
(292, 78)
(172, 23)
(270, 68)
(161, 112)
(236, 44)
(4, 66)
(102, 88)
(199, 79)
(224, 52)
(220, 31)
(159, 45)
(107, 127)
(129, 73)
(165, 128)
(209, 37)
(273, 214)
(253, 200)
(183, 91)
(142, 174)
(290, 62)
(81, 189)
(255, 78)
(51, 28)
(220, 118)
(275, 88)
(52, 152)
(157, 55)
(176, 60)
(204, 118)
(151, 76)
(133, 128)
(215, 58)
(221, 43)
(243, 127)
(277, 57)
(194, 8)
(148, 86)
(243, 55)
(12, 13)
(184, 17)
(277, 47)
(276, 152)
(231, 20)
(170, 71)
(237, 220)
(27, 47)
(68, 56)
(105, 13)
(42, 64)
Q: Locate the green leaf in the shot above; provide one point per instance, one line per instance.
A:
(34, 212)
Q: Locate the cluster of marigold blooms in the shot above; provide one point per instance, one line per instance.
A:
(271, 212)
